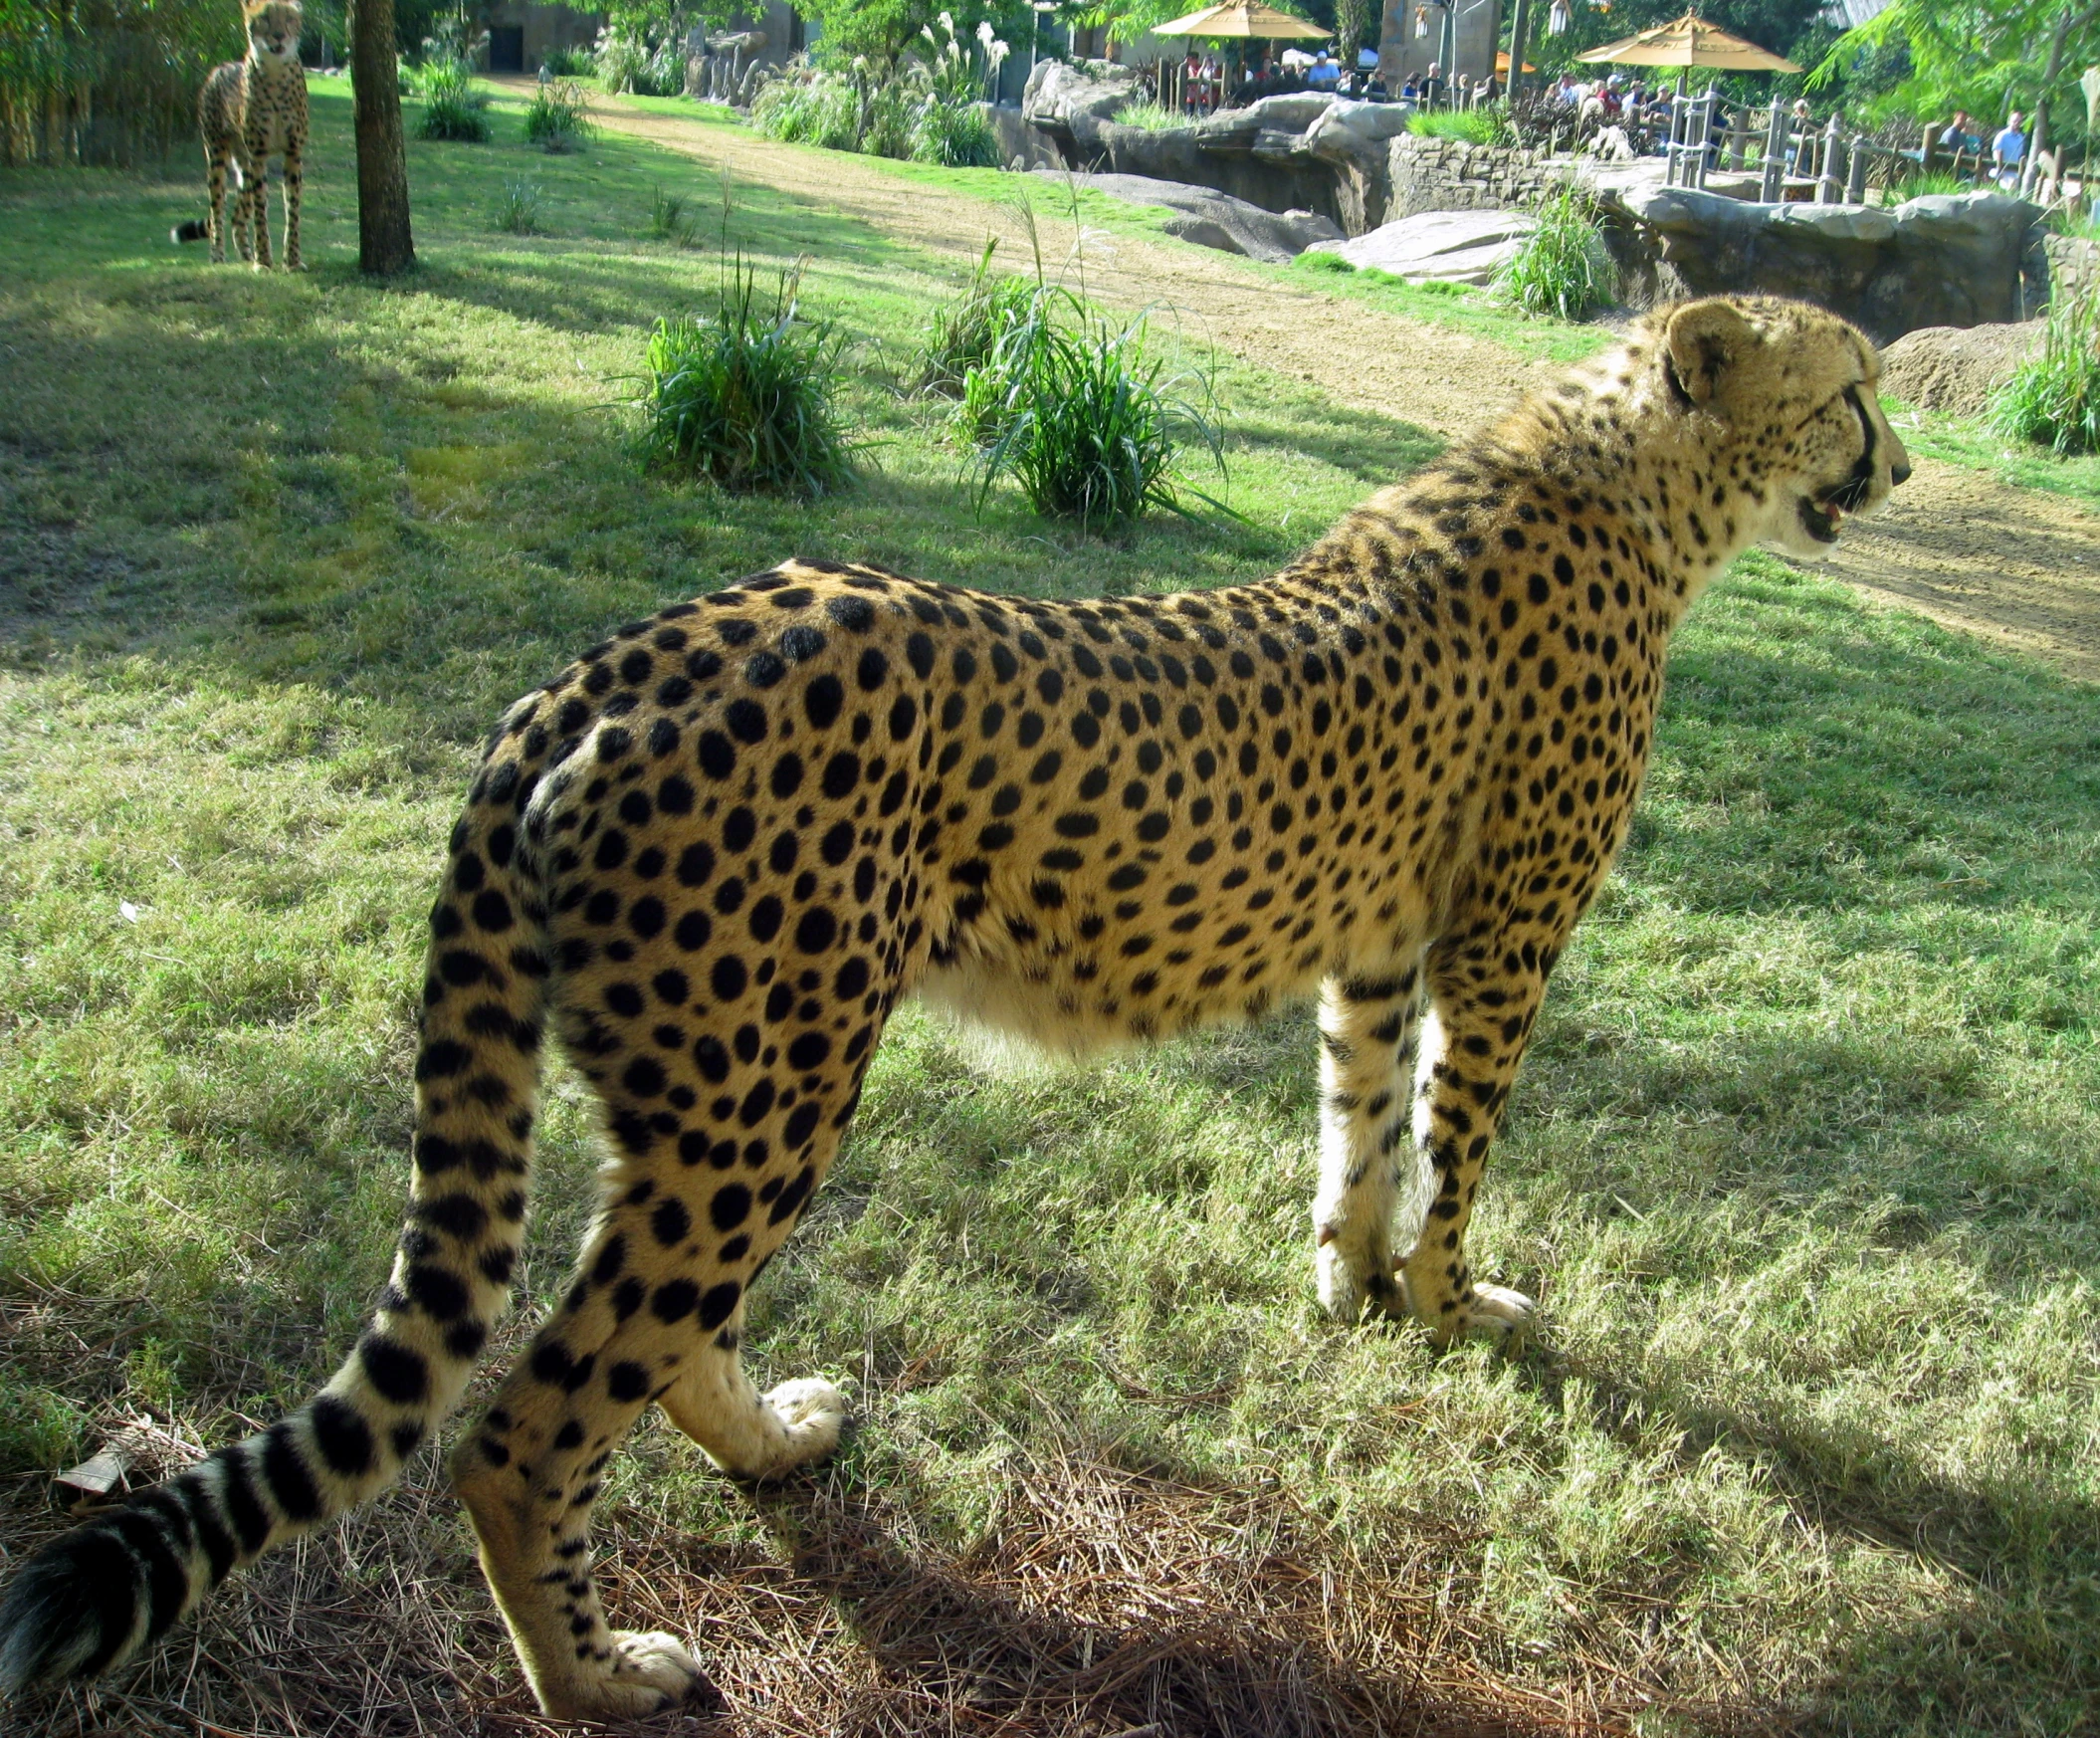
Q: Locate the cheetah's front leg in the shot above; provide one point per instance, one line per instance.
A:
(1368, 1029)
(1485, 996)
(295, 184)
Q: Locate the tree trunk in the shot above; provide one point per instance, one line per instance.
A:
(2069, 20)
(1520, 28)
(384, 246)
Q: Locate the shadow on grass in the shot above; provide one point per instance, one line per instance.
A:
(1107, 1602)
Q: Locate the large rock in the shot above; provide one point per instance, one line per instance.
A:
(1955, 370)
(1943, 260)
(1452, 247)
(1354, 137)
(1062, 98)
(1262, 166)
(1218, 220)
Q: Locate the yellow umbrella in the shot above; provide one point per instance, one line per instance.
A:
(1502, 62)
(1243, 18)
(1690, 42)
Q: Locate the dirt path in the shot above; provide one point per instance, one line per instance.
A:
(2015, 567)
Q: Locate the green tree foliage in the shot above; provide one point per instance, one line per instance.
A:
(883, 31)
(1985, 56)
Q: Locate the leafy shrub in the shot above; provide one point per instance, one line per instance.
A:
(519, 210)
(1154, 118)
(965, 333)
(2054, 399)
(1090, 428)
(556, 120)
(1485, 127)
(569, 63)
(627, 63)
(1563, 266)
(452, 107)
(748, 397)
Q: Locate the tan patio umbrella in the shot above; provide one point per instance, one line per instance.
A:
(1243, 17)
(1687, 42)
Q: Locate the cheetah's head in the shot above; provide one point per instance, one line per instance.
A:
(1792, 391)
(273, 29)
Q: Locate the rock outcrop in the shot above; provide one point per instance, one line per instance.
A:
(1449, 246)
(1218, 220)
(1941, 260)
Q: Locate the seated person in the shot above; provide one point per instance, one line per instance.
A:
(1323, 75)
(2010, 149)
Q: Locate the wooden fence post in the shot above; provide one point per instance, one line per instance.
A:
(1775, 154)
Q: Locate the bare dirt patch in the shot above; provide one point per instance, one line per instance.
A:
(2015, 567)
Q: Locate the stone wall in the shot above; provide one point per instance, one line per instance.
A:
(1448, 174)
(2074, 265)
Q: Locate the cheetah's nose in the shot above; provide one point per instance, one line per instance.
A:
(1900, 474)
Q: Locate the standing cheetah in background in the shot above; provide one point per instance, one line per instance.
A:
(250, 110)
(717, 849)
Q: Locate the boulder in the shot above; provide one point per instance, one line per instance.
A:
(1450, 247)
(1218, 220)
(1062, 98)
(1954, 369)
(1354, 137)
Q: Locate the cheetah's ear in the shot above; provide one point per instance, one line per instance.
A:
(1702, 344)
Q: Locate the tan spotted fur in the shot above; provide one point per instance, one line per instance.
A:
(248, 112)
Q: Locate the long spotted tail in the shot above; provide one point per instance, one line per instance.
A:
(95, 1594)
(190, 230)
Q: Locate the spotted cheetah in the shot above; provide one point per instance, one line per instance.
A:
(250, 110)
(720, 847)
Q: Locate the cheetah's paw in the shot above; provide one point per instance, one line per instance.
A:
(1494, 1313)
(650, 1672)
(1350, 1290)
(813, 1412)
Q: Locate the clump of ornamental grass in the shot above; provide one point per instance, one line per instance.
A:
(2054, 400)
(964, 333)
(519, 208)
(452, 107)
(746, 396)
(1563, 267)
(555, 120)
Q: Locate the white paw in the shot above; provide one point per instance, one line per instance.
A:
(1341, 1295)
(1498, 1311)
(813, 1413)
(650, 1672)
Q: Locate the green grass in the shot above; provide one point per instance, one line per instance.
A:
(1803, 1165)
(1973, 442)
(1455, 307)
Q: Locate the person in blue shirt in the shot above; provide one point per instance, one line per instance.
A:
(1323, 75)
(2008, 148)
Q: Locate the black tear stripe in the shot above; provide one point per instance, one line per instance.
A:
(88, 1598)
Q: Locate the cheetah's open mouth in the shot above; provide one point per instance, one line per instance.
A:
(1822, 516)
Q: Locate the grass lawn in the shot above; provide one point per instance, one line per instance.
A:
(1802, 1168)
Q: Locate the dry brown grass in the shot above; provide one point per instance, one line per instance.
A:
(1106, 1605)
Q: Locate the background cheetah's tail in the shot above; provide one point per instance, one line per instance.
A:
(95, 1595)
(194, 229)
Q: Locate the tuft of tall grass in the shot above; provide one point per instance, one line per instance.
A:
(556, 120)
(452, 107)
(1321, 259)
(748, 396)
(1919, 185)
(668, 218)
(569, 63)
(964, 333)
(1153, 117)
(820, 110)
(519, 207)
(1563, 267)
(1485, 127)
(1092, 429)
(2054, 399)
(954, 134)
